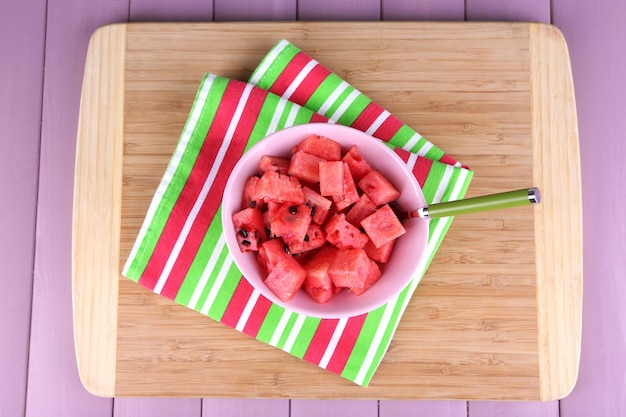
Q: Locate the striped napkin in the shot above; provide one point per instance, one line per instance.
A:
(180, 251)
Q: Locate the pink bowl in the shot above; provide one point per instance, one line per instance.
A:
(409, 248)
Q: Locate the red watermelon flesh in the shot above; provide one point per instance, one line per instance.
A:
(349, 195)
(288, 220)
(249, 228)
(251, 198)
(373, 275)
(320, 205)
(313, 239)
(279, 188)
(305, 167)
(286, 278)
(360, 210)
(318, 283)
(343, 234)
(321, 146)
(382, 226)
(378, 188)
(331, 178)
(270, 253)
(269, 163)
(358, 166)
(350, 268)
(381, 254)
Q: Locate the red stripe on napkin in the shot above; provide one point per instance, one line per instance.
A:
(367, 117)
(346, 344)
(192, 187)
(318, 118)
(422, 169)
(284, 80)
(237, 303)
(310, 84)
(320, 340)
(390, 127)
(259, 312)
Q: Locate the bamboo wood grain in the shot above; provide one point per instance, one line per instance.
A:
(497, 316)
(97, 211)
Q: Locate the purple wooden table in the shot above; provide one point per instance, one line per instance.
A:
(42, 49)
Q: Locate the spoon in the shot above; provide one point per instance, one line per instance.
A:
(523, 197)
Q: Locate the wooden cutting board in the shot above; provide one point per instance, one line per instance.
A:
(498, 314)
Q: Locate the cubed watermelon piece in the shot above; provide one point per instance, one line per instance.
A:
(269, 163)
(251, 197)
(286, 278)
(305, 167)
(350, 194)
(331, 178)
(318, 283)
(378, 188)
(249, 229)
(279, 188)
(313, 239)
(358, 166)
(321, 146)
(373, 275)
(343, 234)
(289, 221)
(381, 254)
(349, 268)
(320, 205)
(360, 210)
(271, 252)
(382, 226)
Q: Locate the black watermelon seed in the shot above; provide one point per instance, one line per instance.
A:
(243, 232)
(246, 242)
(312, 211)
(258, 242)
(286, 248)
(268, 232)
(306, 238)
(252, 204)
(293, 209)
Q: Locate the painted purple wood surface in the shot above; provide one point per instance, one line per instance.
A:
(423, 10)
(422, 408)
(54, 388)
(22, 28)
(513, 409)
(258, 10)
(219, 407)
(595, 34)
(334, 408)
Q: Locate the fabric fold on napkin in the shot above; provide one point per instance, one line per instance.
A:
(180, 251)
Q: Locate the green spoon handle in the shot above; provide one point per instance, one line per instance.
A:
(498, 201)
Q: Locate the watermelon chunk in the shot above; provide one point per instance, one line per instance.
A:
(358, 166)
(382, 226)
(279, 188)
(305, 167)
(378, 188)
(269, 163)
(331, 178)
(289, 221)
(373, 275)
(343, 234)
(349, 268)
(286, 278)
(320, 205)
(349, 195)
(381, 254)
(313, 239)
(270, 253)
(249, 228)
(251, 197)
(318, 283)
(321, 146)
(360, 210)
